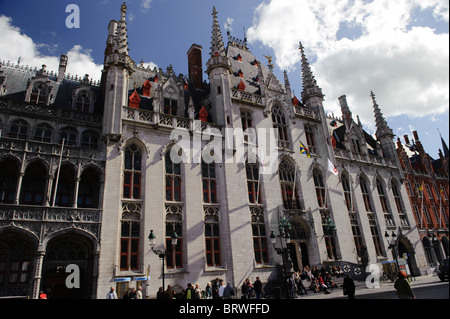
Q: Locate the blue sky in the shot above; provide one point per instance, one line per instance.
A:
(399, 49)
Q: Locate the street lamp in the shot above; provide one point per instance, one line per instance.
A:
(162, 253)
(284, 226)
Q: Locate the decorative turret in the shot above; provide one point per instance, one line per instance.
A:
(382, 128)
(384, 133)
(310, 87)
(218, 56)
(219, 72)
(117, 70)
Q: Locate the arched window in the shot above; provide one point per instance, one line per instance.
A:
(247, 126)
(19, 129)
(89, 189)
(83, 102)
(66, 184)
(39, 93)
(89, 140)
(371, 216)
(280, 124)
(9, 174)
(287, 180)
(209, 183)
(33, 185)
(347, 192)
(399, 204)
(253, 183)
(173, 179)
(69, 135)
(365, 194)
(132, 172)
(43, 133)
(320, 188)
(384, 204)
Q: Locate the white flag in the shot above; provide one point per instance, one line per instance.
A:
(331, 168)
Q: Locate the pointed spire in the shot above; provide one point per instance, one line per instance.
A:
(310, 87)
(444, 145)
(217, 46)
(122, 42)
(382, 126)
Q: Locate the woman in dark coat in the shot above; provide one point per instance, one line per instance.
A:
(349, 287)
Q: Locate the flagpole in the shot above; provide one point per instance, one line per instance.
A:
(350, 188)
(440, 208)
(295, 178)
(57, 175)
(421, 207)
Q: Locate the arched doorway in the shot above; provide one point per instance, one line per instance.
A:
(64, 250)
(405, 249)
(298, 247)
(16, 264)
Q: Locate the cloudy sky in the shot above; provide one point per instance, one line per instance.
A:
(399, 49)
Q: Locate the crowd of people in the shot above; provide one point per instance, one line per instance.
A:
(217, 289)
(319, 280)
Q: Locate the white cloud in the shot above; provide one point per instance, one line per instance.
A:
(145, 5)
(407, 67)
(15, 44)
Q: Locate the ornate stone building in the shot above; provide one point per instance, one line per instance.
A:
(119, 179)
(426, 180)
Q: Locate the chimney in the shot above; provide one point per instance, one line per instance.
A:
(416, 136)
(62, 67)
(406, 139)
(195, 65)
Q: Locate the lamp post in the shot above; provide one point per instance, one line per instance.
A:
(162, 253)
(283, 227)
(434, 243)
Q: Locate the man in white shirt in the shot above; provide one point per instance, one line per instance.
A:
(111, 294)
(221, 289)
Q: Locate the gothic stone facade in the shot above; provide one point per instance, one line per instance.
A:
(222, 212)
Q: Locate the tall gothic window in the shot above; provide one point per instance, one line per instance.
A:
(209, 183)
(253, 183)
(399, 204)
(365, 194)
(347, 193)
(287, 180)
(132, 172)
(39, 93)
(320, 188)
(89, 140)
(173, 179)
(212, 242)
(33, 185)
(384, 204)
(310, 139)
(259, 235)
(129, 244)
(280, 124)
(9, 174)
(247, 126)
(174, 257)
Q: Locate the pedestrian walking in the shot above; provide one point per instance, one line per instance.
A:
(404, 290)
(257, 286)
(111, 294)
(349, 287)
(228, 292)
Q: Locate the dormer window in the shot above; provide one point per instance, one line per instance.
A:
(39, 93)
(83, 102)
(146, 88)
(170, 106)
(241, 86)
(240, 74)
(239, 58)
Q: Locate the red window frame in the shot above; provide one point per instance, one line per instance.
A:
(174, 260)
